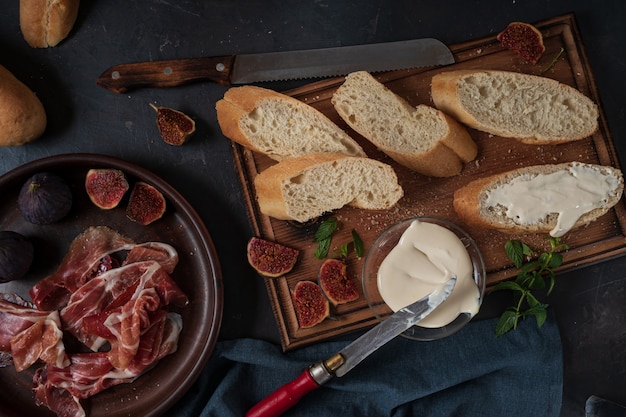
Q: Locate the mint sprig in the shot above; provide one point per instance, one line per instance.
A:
(534, 274)
(323, 237)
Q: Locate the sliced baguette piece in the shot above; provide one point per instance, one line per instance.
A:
(308, 186)
(530, 108)
(420, 138)
(279, 126)
(541, 198)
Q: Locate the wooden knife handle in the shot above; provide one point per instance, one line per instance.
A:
(168, 73)
(284, 397)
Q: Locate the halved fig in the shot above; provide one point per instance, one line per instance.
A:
(106, 187)
(271, 259)
(146, 204)
(174, 126)
(524, 39)
(335, 282)
(310, 303)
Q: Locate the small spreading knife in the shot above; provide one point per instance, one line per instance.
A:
(278, 66)
(341, 363)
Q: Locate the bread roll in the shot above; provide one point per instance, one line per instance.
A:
(533, 109)
(308, 186)
(540, 198)
(279, 126)
(22, 116)
(45, 23)
(421, 138)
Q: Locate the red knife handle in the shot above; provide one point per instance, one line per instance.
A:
(168, 73)
(284, 397)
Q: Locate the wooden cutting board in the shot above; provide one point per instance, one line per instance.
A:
(426, 196)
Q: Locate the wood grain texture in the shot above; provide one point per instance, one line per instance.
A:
(425, 196)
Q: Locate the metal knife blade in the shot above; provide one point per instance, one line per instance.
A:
(278, 66)
(342, 362)
(398, 322)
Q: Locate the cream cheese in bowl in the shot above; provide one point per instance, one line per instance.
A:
(414, 257)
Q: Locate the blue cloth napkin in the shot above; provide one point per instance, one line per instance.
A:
(470, 373)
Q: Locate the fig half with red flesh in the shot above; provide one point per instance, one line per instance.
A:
(174, 126)
(146, 204)
(106, 187)
(310, 303)
(271, 259)
(335, 282)
(524, 39)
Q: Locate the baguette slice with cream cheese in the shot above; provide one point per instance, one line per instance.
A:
(541, 198)
(279, 126)
(420, 138)
(308, 186)
(530, 108)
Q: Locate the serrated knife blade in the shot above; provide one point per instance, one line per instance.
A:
(278, 66)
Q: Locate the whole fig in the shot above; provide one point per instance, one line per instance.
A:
(45, 198)
(16, 255)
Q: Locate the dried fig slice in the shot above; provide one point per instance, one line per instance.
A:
(106, 187)
(310, 303)
(174, 126)
(146, 204)
(524, 39)
(271, 259)
(335, 282)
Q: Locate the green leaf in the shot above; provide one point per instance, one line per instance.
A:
(359, 248)
(551, 282)
(533, 275)
(508, 321)
(326, 229)
(541, 316)
(507, 285)
(532, 300)
(556, 261)
(530, 266)
(515, 251)
(323, 246)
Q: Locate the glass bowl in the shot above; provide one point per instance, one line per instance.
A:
(379, 250)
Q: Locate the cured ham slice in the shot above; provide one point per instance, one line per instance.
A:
(118, 306)
(163, 253)
(31, 335)
(78, 266)
(61, 389)
(113, 295)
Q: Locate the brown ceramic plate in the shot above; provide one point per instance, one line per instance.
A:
(198, 274)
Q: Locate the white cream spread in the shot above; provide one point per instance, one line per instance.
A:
(426, 256)
(570, 193)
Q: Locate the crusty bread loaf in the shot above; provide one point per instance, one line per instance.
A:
(308, 186)
(279, 126)
(421, 138)
(45, 23)
(533, 109)
(22, 116)
(521, 208)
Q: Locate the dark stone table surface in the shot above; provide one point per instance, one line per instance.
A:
(590, 302)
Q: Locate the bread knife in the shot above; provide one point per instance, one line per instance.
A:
(340, 363)
(278, 66)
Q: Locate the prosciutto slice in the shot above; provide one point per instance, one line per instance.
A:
(61, 389)
(163, 253)
(31, 335)
(78, 266)
(118, 306)
(113, 296)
